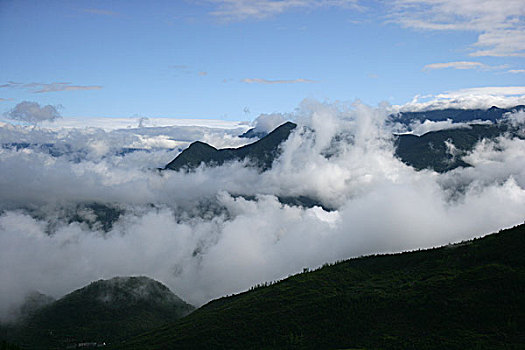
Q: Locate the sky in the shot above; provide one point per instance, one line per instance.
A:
(235, 59)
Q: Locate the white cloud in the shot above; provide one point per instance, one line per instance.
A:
(54, 87)
(493, 90)
(471, 98)
(38, 88)
(461, 65)
(499, 23)
(238, 10)
(192, 231)
(97, 138)
(503, 42)
(278, 81)
(516, 119)
(111, 123)
(517, 71)
(33, 113)
(419, 128)
(268, 122)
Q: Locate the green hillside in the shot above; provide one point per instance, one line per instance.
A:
(463, 296)
(102, 312)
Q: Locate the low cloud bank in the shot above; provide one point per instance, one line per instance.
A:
(420, 128)
(195, 233)
(472, 98)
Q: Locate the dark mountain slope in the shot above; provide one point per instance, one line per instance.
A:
(8, 346)
(197, 153)
(262, 152)
(33, 303)
(464, 296)
(457, 115)
(429, 151)
(104, 311)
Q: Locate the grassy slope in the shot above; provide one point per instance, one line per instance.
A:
(455, 297)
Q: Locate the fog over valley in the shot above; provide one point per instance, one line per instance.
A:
(80, 204)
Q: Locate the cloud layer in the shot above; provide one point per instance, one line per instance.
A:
(221, 230)
(471, 98)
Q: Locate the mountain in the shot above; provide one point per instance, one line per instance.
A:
(33, 303)
(457, 115)
(96, 215)
(102, 312)
(442, 150)
(462, 296)
(262, 152)
(437, 150)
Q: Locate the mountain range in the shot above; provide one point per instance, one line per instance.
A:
(492, 114)
(428, 151)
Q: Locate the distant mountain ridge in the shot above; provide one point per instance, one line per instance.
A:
(262, 152)
(428, 151)
(443, 150)
(457, 115)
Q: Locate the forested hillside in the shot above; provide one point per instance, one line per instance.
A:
(462, 296)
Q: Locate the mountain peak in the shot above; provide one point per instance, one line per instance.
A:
(262, 152)
(129, 289)
(105, 310)
(201, 145)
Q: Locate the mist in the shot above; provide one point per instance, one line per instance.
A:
(221, 230)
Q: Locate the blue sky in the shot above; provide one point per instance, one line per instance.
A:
(236, 59)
